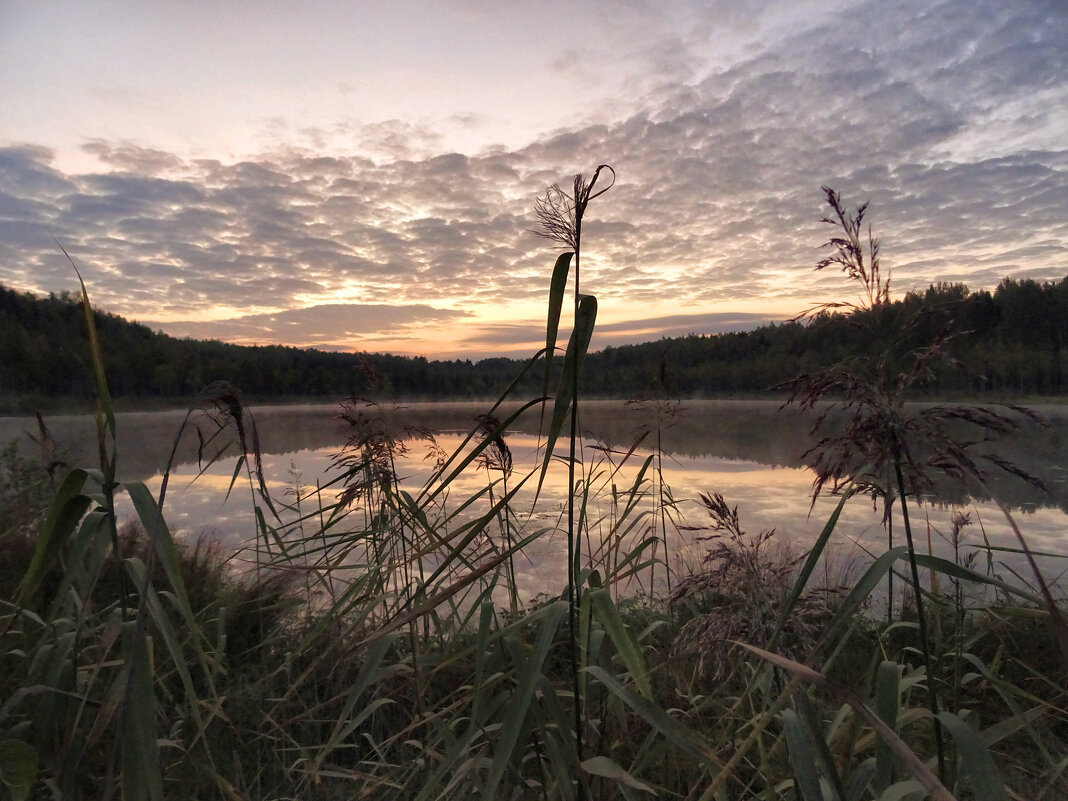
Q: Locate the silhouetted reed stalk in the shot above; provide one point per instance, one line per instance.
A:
(666, 412)
(883, 447)
(560, 217)
(498, 457)
(921, 616)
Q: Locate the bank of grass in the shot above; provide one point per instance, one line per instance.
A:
(368, 651)
(316, 673)
(370, 643)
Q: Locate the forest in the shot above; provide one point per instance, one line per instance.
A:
(1005, 343)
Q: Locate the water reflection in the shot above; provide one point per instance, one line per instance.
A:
(751, 452)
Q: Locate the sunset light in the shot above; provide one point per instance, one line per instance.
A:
(557, 400)
(362, 176)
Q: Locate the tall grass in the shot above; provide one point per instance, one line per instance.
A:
(560, 216)
(366, 652)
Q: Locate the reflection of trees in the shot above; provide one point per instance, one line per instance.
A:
(759, 431)
(145, 438)
(756, 431)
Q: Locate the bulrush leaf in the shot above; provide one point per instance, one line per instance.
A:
(577, 346)
(915, 765)
(557, 286)
(886, 706)
(977, 763)
(802, 757)
(66, 509)
(626, 646)
(609, 769)
(527, 679)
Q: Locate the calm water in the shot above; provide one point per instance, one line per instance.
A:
(750, 452)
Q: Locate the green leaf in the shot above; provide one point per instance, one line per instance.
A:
(802, 758)
(914, 764)
(887, 696)
(138, 573)
(241, 461)
(626, 646)
(18, 767)
(529, 673)
(557, 286)
(66, 509)
(815, 555)
(105, 413)
(907, 790)
(822, 753)
(856, 788)
(860, 592)
(577, 345)
(142, 774)
(977, 763)
(607, 768)
(347, 722)
(684, 737)
(440, 481)
(949, 568)
(163, 545)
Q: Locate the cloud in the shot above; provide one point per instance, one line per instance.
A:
(326, 326)
(717, 204)
(527, 337)
(677, 325)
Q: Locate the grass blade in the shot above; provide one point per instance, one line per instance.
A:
(577, 345)
(919, 770)
(886, 707)
(626, 646)
(802, 757)
(557, 287)
(508, 736)
(977, 763)
(682, 736)
(66, 509)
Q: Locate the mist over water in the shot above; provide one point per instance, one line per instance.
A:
(749, 451)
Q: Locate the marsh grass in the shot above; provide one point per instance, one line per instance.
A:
(365, 653)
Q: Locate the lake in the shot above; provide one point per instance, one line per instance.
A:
(748, 451)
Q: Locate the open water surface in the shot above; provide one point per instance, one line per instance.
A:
(749, 451)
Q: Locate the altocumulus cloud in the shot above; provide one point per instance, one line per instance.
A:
(949, 117)
(329, 326)
(525, 339)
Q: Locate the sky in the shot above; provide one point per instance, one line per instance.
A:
(362, 175)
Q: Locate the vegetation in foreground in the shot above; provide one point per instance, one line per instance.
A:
(375, 647)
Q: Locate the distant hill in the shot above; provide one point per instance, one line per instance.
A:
(1009, 342)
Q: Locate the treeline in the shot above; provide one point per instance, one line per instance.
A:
(44, 354)
(1008, 342)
